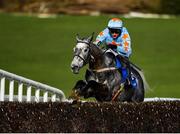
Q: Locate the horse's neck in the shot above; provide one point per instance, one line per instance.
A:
(96, 60)
(100, 59)
(95, 50)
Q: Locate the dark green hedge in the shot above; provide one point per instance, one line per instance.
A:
(170, 6)
(158, 6)
(75, 6)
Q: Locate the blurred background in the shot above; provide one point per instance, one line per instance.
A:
(37, 38)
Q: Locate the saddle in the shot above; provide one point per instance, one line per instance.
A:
(123, 63)
(119, 59)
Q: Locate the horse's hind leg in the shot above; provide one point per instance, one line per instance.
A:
(138, 95)
(126, 95)
(131, 95)
(139, 92)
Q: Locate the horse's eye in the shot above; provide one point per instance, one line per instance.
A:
(85, 50)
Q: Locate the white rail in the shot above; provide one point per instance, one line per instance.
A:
(161, 99)
(49, 93)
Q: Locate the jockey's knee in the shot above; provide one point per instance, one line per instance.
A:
(124, 74)
(122, 70)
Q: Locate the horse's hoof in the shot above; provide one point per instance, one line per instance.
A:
(74, 102)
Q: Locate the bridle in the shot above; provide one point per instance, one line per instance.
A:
(77, 55)
(86, 61)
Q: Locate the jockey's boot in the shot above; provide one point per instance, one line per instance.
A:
(123, 70)
(124, 74)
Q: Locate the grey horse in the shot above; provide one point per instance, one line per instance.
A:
(102, 78)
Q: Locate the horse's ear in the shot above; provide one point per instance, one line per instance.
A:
(77, 38)
(90, 38)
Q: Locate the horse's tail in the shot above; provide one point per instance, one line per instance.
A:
(141, 73)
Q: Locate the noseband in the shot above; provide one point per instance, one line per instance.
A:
(84, 61)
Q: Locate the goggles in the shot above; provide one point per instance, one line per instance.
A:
(117, 31)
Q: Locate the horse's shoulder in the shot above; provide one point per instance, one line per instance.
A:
(89, 75)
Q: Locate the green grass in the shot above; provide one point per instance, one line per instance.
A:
(41, 49)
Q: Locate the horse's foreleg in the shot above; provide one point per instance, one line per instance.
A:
(89, 89)
(77, 90)
(98, 90)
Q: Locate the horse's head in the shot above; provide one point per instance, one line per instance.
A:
(81, 53)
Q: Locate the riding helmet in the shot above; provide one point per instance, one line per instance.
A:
(115, 23)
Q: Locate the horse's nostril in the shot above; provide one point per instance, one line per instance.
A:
(74, 66)
(75, 69)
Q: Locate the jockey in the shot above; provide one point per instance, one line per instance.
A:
(116, 37)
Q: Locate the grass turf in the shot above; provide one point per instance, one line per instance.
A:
(41, 49)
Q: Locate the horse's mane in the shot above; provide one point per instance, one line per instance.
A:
(95, 50)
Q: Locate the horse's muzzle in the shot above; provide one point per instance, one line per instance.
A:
(75, 69)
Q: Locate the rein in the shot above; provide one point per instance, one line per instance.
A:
(95, 70)
(105, 69)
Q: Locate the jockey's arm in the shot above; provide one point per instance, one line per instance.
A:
(100, 39)
(125, 45)
(125, 48)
